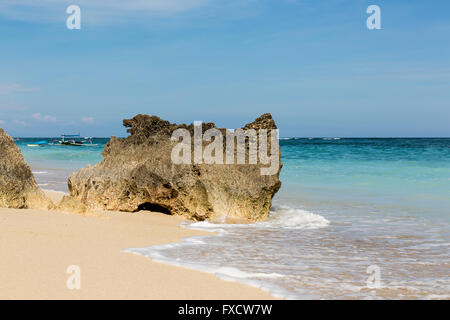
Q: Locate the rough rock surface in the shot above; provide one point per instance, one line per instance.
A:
(71, 205)
(18, 189)
(137, 173)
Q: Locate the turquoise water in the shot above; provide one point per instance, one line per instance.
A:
(411, 176)
(52, 164)
(345, 205)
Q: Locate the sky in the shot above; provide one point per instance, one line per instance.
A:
(314, 65)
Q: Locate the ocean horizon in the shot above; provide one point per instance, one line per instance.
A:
(345, 205)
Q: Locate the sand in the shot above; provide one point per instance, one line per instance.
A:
(37, 247)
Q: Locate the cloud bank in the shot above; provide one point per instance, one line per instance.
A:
(46, 118)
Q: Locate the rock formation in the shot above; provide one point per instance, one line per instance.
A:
(138, 173)
(18, 189)
(71, 205)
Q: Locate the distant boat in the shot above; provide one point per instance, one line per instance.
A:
(38, 144)
(74, 140)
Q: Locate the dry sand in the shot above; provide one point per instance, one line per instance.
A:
(36, 248)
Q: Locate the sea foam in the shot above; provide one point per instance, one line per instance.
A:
(280, 217)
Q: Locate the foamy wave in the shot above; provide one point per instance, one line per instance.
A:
(280, 217)
(156, 254)
(295, 218)
(220, 228)
(236, 273)
(40, 172)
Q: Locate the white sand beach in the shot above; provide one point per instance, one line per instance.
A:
(37, 247)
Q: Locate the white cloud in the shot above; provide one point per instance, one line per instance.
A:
(14, 87)
(88, 120)
(97, 11)
(46, 118)
(20, 123)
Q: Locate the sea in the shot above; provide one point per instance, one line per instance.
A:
(355, 218)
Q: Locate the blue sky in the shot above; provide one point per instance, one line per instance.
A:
(313, 64)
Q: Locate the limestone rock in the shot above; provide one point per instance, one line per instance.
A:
(71, 205)
(138, 173)
(18, 189)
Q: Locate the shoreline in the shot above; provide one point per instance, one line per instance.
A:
(225, 273)
(38, 246)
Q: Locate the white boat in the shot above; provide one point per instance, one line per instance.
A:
(74, 140)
